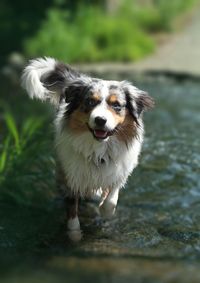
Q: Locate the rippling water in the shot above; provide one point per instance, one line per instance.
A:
(155, 235)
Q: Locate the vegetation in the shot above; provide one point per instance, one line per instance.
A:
(82, 31)
(92, 34)
(24, 156)
(29, 220)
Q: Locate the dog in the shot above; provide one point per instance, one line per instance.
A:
(98, 132)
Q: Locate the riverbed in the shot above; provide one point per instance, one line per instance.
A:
(155, 234)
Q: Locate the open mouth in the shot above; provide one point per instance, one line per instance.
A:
(101, 134)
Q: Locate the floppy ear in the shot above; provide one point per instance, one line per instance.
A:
(137, 100)
(74, 93)
(46, 78)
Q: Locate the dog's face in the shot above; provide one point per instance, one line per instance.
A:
(101, 108)
(105, 108)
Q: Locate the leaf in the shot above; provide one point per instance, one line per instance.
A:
(10, 122)
(30, 126)
(4, 154)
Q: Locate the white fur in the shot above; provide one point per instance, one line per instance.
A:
(89, 165)
(74, 231)
(81, 156)
(73, 224)
(102, 111)
(108, 206)
(31, 79)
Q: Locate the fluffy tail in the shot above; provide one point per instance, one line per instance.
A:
(45, 79)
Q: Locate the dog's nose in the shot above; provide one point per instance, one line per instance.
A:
(100, 121)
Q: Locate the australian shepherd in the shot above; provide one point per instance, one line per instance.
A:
(98, 132)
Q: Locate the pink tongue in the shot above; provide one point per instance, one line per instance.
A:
(100, 134)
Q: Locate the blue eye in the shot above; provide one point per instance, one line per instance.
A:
(116, 106)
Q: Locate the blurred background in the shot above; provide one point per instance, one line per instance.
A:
(87, 31)
(155, 236)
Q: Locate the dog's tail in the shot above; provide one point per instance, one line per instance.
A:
(46, 78)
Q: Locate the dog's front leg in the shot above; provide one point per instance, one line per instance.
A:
(73, 225)
(108, 205)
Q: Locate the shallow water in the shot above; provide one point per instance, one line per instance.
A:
(155, 235)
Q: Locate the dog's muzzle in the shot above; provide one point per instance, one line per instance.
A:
(101, 133)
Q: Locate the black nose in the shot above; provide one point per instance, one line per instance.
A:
(100, 121)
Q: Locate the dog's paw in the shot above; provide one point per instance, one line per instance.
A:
(74, 232)
(107, 209)
(75, 235)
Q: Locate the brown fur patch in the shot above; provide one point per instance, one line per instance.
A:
(112, 99)
(72, 206)
(78, 121)
(96, 97)
(119, 118)
(127, 129)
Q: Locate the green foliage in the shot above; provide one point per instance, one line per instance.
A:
(19, 19)
(84, 30)
(16, 140)
(169, 10)
(4, 154)
(10, 122)
(91, 36)
(23, 161)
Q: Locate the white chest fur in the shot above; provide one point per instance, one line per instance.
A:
(89, 164)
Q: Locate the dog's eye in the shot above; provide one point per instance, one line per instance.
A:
(116, 106)
(90, 102)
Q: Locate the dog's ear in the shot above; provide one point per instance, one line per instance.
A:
(46, 79)
(74, 93)
(137, 100)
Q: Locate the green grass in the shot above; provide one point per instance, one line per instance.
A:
(170, 10)
(91, 34)
(23, 163)
(24, 154)
(29, 219)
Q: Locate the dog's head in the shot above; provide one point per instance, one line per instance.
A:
(105, 108)
(102, 108)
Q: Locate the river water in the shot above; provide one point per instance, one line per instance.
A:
(155, 235)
